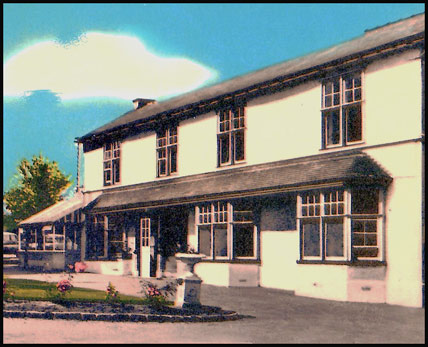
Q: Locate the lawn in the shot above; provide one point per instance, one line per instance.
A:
(24, 289)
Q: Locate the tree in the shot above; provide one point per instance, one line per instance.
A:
(40, 184)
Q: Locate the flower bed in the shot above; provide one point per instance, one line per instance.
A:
(113, 312)
(63, 301)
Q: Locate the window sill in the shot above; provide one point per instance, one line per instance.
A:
(231, 261)
(353, 144)
(361, 263)
(240, 163)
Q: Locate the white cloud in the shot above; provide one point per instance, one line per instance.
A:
(101, 64)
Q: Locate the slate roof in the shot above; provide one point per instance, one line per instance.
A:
(343, 167)
(372, 41)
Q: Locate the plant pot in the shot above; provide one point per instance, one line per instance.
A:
(186, 263)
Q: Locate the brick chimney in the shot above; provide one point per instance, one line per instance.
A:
(139, 102)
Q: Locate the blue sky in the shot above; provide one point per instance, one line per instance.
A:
(69, 68)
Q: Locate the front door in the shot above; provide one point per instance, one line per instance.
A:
(146, 247)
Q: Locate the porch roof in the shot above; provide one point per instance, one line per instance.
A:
(57, 211)
(282, 176)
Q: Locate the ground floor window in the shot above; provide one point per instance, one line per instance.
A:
(106, 237)
(226, 230)
(46, 238)
(341, 224)
(96, 237)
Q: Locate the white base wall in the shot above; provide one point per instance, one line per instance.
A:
(113, 267)
(228, 274)
(279, 253)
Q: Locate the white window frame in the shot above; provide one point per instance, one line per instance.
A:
(110, 156)
(343, 124)
(380, 232)
(231, 133)
(347, 218)
(207, 217)
(166, 142)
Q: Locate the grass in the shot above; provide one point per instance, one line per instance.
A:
(24, 289)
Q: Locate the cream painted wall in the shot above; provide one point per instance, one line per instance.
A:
(138, 159)
(93, 164)
(279, 253)
(281, 126)
(393, 99)
(284, 125)
(403, 237)
(197, 148)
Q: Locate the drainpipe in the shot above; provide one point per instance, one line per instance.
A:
(78, 144)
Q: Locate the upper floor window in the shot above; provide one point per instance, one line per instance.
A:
(342, 122)
(231, 135)
(341, 225)
(111, 163)
(166, 151)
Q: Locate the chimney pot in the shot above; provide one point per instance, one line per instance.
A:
(140, 102)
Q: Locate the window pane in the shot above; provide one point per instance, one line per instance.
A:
(371, 226)
(332, 124)
(173, 159)
(353, 123)
(336, 86)
(205, 240)
(239, 146)
(311, 238)
(336, 99)
(327, 101)
(116, 170)
(243, 240)
(220, 241)
(304, 211)
(357, 94)
(348, 96)
(224, 148)
(365, 201)
(162, 167)
(358, 239)
(334, 238)
(371, 240)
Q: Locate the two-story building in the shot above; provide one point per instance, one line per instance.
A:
(305, 176)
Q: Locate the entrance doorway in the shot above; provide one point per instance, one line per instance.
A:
(146, 248)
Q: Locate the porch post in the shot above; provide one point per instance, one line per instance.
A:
(83, 239)
(105, 236)
(158, 255)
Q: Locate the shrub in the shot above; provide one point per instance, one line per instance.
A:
(112, 294)
(7, 293)
(157, 297)
(63, 287)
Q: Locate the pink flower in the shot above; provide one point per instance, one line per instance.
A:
(80, 266)
(63, 286)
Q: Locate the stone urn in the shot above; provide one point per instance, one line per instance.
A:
(189, 284)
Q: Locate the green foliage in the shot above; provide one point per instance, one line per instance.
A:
(112, 294)
(37, 290)
(9, 223)
(157, 297)
(40, 184)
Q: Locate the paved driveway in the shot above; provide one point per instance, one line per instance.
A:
(272, 316)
